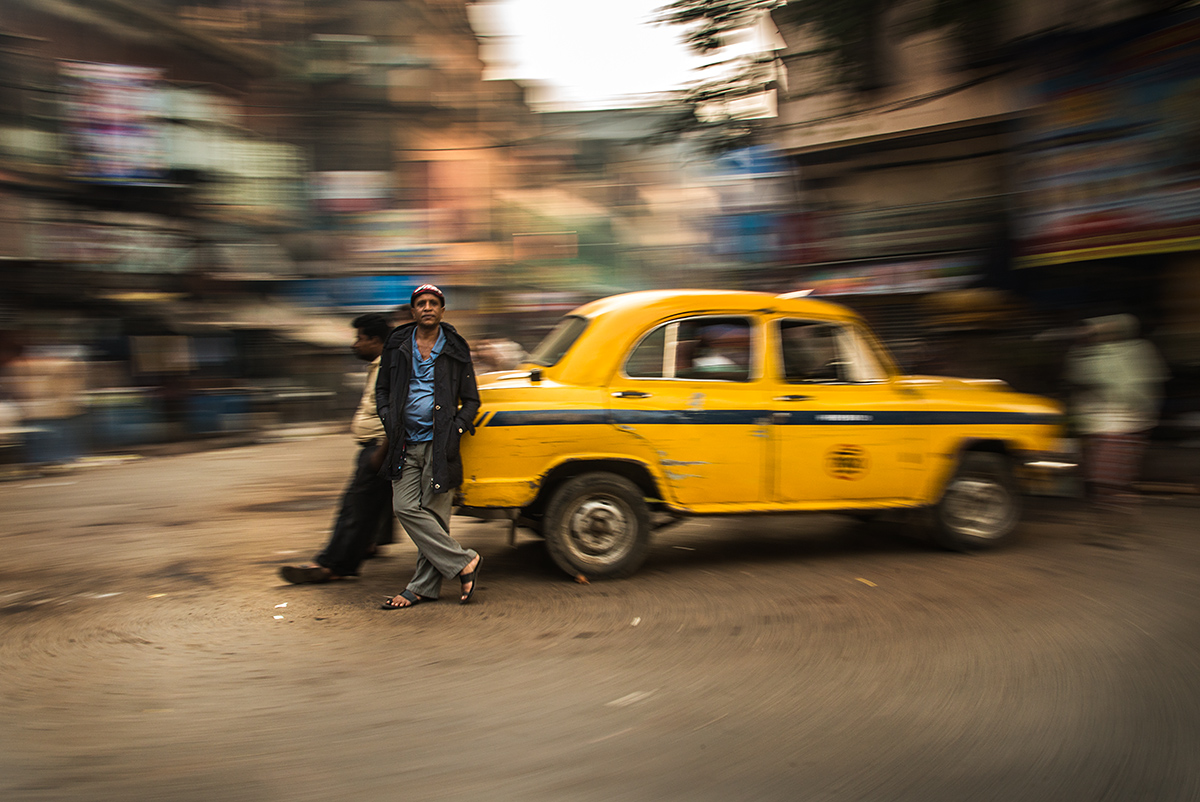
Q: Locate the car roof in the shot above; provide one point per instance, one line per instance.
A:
(618, 319)
(665, 303)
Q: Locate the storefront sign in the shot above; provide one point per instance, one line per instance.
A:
(913, 276)
(1110, 165)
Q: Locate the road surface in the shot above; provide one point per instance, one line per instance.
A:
(149, 652)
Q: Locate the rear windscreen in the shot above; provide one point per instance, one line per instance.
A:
(560, 339)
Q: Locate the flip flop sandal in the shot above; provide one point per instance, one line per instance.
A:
(412, 598)
(473, 578)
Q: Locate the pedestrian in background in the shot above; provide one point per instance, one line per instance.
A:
(401, 314)
(397, 317)
(365, 518)
(498, 353)
(48, 383)
(1117, 380)
(427, 399)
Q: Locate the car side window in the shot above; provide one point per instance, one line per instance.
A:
(646, 359)
(820, 352)
(713, 348)
(709, 348)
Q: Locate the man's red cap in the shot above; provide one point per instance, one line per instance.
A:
(427, 288)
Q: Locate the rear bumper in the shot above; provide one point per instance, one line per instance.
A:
(1050, 464)
(1050, 473)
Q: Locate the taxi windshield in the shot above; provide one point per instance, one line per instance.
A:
(560, 339)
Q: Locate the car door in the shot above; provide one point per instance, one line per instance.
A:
(693, 389)
(842, 431)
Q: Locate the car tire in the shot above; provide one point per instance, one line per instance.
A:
(980, 505)
(598, 525)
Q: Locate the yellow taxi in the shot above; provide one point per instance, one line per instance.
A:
(643, 408)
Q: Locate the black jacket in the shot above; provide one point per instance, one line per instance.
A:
(455, 402)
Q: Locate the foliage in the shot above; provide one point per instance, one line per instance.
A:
(708, 112)
(849, 32)
(712, 21)
(978, 26)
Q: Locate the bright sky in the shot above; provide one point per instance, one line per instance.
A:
(589, 53)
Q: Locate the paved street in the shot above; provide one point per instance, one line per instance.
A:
(148, 651)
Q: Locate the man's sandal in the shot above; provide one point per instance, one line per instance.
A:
(410, 597)
(307, 574)
(473, 578)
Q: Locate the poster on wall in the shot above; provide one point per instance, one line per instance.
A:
(112, 119)
(1110, 161)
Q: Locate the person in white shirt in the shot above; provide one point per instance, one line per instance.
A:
(1117, 380)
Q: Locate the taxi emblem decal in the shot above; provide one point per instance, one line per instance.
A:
(847, 462)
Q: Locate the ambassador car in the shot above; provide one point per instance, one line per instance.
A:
(641, 409)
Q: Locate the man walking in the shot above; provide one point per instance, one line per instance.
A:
(427, 399)
(365, 517)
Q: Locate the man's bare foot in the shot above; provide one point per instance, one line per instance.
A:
(309, 574)
(468, 576)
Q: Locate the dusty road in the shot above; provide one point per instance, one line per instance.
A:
(146, 655)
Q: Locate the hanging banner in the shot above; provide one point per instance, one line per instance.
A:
(113, 121)
(1110, 163)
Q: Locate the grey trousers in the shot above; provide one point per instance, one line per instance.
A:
(425, 516)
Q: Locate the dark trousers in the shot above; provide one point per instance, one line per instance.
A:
(366, 517)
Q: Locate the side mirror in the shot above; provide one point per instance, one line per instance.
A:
(535, 375)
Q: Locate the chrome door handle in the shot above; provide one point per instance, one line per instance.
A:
(630, 394)
(792, 398)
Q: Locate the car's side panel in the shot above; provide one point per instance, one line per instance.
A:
(708, 438)
(525, 432)
(851, 442)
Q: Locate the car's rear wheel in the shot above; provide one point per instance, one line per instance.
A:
(598, 525)
(980, 505)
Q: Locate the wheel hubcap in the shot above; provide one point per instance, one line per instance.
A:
(978, 507)
(599, 527)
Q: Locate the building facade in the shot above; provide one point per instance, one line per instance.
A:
(1013, 188)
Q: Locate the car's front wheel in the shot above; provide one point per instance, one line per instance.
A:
(980, 506)
(598, 525)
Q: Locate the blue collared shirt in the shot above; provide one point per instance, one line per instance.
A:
(418, 412)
